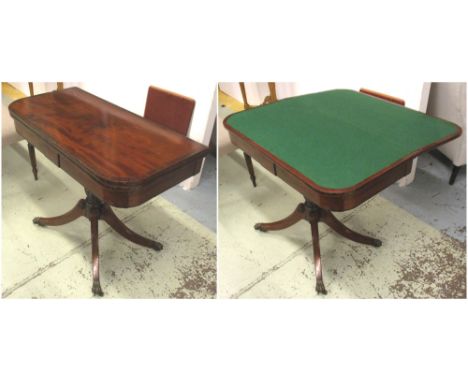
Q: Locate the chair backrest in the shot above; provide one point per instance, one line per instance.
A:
(31, 87)
(385, 97)
(268, 99)
(169, 109)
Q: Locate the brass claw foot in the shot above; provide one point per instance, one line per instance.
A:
(97, 291)
(377, 243)
(157, 246)
(320, 287)
(38, 222)
(260, 227)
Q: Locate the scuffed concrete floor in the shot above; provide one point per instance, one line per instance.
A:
(430, 197)
(56, 261)
(415, 261)
(201, 202)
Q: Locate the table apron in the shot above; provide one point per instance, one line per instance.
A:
(45, 148)
(115, 194)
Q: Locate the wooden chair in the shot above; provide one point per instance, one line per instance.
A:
(169, 109)
(268, 99)
(10, 94)
(385, 97)
(32, 151)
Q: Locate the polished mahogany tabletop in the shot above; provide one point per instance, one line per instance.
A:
(118, 156)
(112, 143)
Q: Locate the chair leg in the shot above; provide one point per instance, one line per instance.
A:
(455, 171)
(32, 158)
(248, 162)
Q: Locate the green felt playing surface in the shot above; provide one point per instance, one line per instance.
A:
(338, 138)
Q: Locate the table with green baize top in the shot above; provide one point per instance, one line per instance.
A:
(338, 148)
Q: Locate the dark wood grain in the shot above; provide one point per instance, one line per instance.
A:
(169, 109)
(96, 288)
(383, 96)
(329, 219)
(249, 164)
(319, 284)
(288, 221)
(32, 159)
(122, 158)
(111, 218)
(68, 217)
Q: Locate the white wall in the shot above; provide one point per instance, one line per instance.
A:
(256, 92)
(408, 91)
(41, 87)
(448, 101)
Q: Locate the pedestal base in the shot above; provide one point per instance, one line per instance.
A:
(94, 209)
(314, 214)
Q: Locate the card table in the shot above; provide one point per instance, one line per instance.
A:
(337, 148)
(120, 158)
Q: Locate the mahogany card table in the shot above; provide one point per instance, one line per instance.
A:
(120, 158)
(337, 148)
